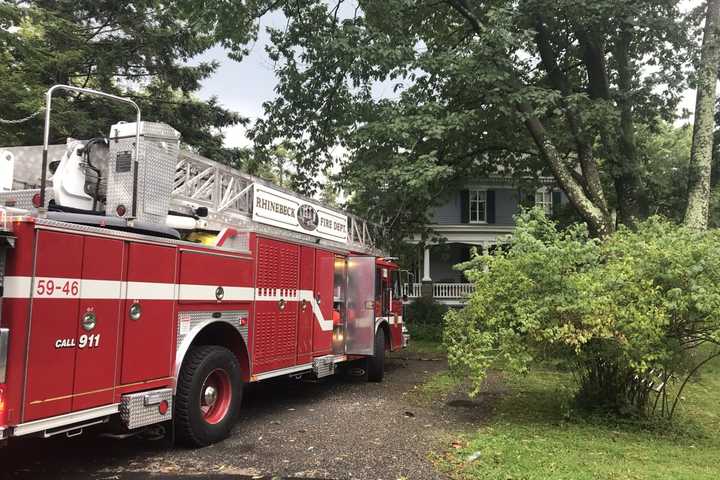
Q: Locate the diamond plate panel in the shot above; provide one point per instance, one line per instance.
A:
(142, 408)
(240, 242)
(159, 148)
(23, 198)
(324, 366)
(28, 163)
(189, 321)
(154, 129)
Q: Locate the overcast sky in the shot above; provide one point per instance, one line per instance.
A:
(244, 86)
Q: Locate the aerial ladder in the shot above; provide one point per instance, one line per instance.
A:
(202, 195)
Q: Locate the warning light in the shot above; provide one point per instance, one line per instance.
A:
(36, 200)
(121, 210)
(163, 407)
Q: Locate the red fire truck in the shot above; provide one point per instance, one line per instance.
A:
(142, 284)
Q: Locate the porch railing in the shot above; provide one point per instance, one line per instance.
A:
(441, 290)
(452, 290)
(412, 290)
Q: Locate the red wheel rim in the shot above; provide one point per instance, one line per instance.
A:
(215, 396)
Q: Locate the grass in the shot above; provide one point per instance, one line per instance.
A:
(534, 434)
(422, 346)
(440, 384)
(436, 388)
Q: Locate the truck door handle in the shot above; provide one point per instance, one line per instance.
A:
(88, 321)
(135, 311)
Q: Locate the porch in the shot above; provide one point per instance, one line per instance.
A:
(455, 294)
(435, 273)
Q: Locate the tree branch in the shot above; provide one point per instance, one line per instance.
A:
(591, 174)
(597, 220)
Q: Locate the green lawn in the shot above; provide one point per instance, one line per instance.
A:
(533, 434)
(426, 347)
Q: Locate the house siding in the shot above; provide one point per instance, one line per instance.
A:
(506, 206)
(448, 213)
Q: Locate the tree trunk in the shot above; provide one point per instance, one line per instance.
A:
(696, 215)
(598, 221)
(589, 179)
(619, 142)
(632, 202)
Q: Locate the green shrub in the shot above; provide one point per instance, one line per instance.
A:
(621, 313)
(424, 318)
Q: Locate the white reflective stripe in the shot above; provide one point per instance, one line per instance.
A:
(20, 287)
(151, 291)
(391, 319)
(101, 289)
(277, 295)
(16, 287)
(325, 325)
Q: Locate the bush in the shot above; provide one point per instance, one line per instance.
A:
(425, 319)
(624, 314)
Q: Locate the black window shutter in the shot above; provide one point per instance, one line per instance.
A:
(464, 206)
(522, 199)
(490, 206)
(556, 202)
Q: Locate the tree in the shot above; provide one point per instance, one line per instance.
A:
(664, 155)
(529, 87)
(698, 205)
(134, 49)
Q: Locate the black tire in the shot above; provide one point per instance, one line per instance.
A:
(376, 363)
(193, 426)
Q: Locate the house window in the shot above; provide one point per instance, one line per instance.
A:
(478, 206)
(543, 199)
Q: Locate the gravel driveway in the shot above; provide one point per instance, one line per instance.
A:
(336, 428)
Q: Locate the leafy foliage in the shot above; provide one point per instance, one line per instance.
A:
(425, 319)
(423, 94)
(611, 311)
(135, 49)
(666, 153)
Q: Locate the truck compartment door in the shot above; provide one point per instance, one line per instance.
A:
(360, 306)
(98, 322)
(276, 305)
(323, 293)
(53, 325)
(306, 317)
(148, 313)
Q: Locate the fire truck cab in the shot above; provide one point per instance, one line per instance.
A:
(147, 285)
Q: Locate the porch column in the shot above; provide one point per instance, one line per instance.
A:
(426, 265)
(426, 289)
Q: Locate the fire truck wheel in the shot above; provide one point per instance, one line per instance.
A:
(208, 397)
(376, 363)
